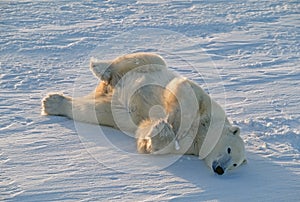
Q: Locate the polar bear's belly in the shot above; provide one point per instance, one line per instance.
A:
(139, 96)
(146, 103)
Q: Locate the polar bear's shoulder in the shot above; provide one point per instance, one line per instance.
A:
(183, 88)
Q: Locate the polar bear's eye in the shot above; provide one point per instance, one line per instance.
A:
(228, 150)
(234, 164)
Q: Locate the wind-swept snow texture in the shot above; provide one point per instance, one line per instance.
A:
(246, 54)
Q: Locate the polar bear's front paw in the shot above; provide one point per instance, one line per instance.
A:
(144, 146)
(155, 137)
(53, 104)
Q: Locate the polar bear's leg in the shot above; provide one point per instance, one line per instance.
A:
(112, 71)
(95, 111)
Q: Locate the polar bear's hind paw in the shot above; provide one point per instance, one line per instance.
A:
(52, 104)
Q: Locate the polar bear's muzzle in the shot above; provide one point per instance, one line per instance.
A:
(219, 170)
(221, 164)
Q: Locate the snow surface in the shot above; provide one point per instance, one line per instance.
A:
(244, 53)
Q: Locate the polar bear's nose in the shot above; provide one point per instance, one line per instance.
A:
(219, 170)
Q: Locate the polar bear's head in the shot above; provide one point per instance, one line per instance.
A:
(228, 153)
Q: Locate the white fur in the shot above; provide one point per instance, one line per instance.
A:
(168, 113)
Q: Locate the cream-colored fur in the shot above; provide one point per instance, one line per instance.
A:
(168, 113)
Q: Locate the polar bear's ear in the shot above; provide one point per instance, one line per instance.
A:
(235, 130)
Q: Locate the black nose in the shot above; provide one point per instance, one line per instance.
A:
(219, 170)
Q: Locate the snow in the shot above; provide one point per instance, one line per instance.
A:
(244, 53)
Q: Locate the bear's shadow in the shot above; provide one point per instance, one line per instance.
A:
(259, 179)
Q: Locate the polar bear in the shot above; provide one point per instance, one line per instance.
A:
(139, 95)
